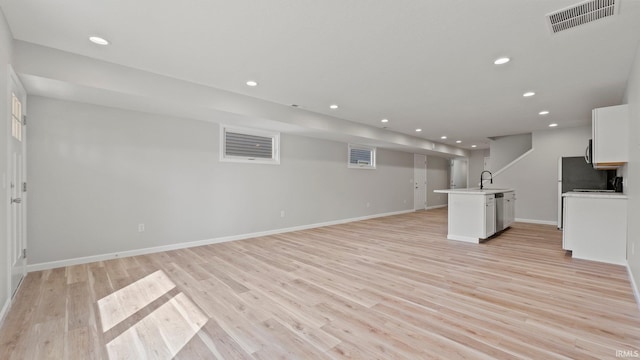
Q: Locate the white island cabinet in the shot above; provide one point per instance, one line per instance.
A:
(595, 226)
(509, 208)
(472, 213)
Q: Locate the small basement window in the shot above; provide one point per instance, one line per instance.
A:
(249, 145)
(362, 157)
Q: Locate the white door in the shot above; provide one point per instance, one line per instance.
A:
(17, 184)
(420, 181)
(459, 173)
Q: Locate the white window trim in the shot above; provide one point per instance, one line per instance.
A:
(362, 166)
(275, 160)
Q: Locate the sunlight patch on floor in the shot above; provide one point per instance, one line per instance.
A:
(162, 334)
(116, 307)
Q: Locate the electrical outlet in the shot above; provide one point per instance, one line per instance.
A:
(368, 204)
(281, 213)
(633, 248)
(404, 201)
(140, 227)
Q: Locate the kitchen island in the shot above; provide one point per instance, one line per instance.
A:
(475, 214)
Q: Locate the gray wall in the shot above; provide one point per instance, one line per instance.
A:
(505, 149)
(632, 173)
(97, 172)
(5, 58)
(438, 172)
(535, 177)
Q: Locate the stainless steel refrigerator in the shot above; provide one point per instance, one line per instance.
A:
(574, 173)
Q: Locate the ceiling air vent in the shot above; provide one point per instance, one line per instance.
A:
(581, 13)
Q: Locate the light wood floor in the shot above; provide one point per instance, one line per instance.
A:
(385, 288)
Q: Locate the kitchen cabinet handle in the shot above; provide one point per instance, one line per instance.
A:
(586, 155)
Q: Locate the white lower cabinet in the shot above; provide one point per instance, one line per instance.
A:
(509, 208)
(595, 228)
(489, 216)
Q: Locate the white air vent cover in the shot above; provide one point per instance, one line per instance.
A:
(581, 13)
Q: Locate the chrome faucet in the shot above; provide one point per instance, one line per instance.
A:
(482, 178)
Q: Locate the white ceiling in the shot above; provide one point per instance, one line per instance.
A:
(421, 64)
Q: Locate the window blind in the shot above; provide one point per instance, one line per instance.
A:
(360, 156)
(248, 146)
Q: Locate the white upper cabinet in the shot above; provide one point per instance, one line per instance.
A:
(610, 129)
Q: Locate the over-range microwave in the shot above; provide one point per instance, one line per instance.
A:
(588, 153)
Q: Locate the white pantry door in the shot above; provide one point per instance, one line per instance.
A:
(458, 174)
(420, 182)
(17, 179)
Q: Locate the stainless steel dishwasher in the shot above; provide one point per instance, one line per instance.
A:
(500, 224)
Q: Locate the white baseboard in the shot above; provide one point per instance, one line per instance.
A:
(634, 286)
(533, 221)
(155, 249)
(435, 207)
(468, 239)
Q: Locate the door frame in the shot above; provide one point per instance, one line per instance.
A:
(14, 85)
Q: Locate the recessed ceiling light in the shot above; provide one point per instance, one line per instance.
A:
(474, 146)
(458, 141)
(553, 125)
(384, 120)
(418, 130)
(502, 60)
(98, 40)
(252, 83)
(443, 137)
(528, 93)
(545, 112)
(333, 107)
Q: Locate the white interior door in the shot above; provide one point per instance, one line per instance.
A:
(459, 169)
(17, 188)
(420, 181)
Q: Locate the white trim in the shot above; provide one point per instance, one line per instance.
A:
(9, 302)
(5, 310)
(514, 161)
(494, 174)
(534, 221)
(634, 285)
(468, 239)
(7, 190)
(574, 256)
(14, 85)
(435, 207)
(102, 257)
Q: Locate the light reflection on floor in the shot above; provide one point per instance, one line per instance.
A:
(161, 334)
(116, 307)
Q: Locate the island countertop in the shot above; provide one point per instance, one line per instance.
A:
(470, 191)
